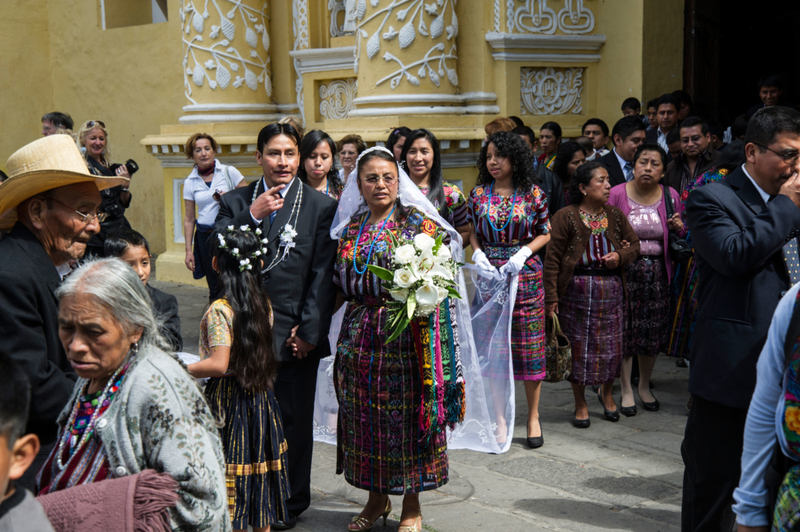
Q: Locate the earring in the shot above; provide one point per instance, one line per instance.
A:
(584, 193)
(135, 347)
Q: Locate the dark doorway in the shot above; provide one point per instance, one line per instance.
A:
(728, 46)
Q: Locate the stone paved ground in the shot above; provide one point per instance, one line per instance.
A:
(623, 476)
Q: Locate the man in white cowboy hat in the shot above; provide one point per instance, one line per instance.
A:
(49, 203)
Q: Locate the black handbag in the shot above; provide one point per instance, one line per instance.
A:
(679, 248)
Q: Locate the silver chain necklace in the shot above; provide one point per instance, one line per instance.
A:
(298, 201)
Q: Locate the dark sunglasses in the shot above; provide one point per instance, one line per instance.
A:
(92, 123)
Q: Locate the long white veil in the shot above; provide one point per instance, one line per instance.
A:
(477, 431)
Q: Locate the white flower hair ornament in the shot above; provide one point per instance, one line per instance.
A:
(245, 263)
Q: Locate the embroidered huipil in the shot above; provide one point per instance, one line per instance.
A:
(456, 204)
(598, 245)
(529, 219)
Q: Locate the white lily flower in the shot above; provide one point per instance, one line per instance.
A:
(442, 255)
(427, 295)
(439, 271)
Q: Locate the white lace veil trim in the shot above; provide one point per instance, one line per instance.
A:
(479, 425)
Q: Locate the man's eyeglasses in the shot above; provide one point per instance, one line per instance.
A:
(373, 180)
(87, 218)
(789, 157)
(92, 123)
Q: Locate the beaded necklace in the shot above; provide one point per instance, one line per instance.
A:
(103, 400)
(372, 245)
(510, 212)
(298, 201)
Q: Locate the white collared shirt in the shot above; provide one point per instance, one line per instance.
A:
(195, 189)
(662, 140)
(764, 195)
(64, 270)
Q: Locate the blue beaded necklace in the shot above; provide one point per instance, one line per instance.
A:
(510, 212)
(371, 246)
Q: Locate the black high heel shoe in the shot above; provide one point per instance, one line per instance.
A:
(627, 411)
(537, 441)
(611, 415)
(580, 423)
(652, 406)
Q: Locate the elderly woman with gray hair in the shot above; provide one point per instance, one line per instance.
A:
(134, 407)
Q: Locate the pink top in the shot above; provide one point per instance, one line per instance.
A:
(619, 199)
(647, 224)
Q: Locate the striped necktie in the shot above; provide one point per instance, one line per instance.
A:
(628, 171)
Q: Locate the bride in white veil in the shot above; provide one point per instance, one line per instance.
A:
(478, 429)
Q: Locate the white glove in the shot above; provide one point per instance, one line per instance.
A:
(517, 262)
(482, 263)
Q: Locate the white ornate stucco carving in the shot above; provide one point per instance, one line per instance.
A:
(434, 20)
(300, 30)
(336, 98)
(335, 7)
(535, 16)
(213, 53)
(551, 91)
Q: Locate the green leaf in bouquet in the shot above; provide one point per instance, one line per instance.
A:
(411, 305)
(393, 240)
(382, 273)
(453, 293)
(438, 244)
(398, 330)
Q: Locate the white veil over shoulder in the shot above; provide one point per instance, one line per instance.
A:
(477, 431)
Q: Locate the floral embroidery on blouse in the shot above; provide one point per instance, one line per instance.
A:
(529, 216)
(216, 327)
(456, 204)
(598, 223)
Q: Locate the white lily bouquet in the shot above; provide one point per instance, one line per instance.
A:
(422, 276)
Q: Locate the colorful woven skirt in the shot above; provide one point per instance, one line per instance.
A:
(379, 443)
(648, 308)
(255, 453)
(527, 320)
(592, 317)
(787, 508)
(684, 309)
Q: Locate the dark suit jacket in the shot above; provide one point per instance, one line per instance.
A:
(165, 307)
(29, 328)
(651, 136)
(301, 288)
(553, 188)
(616, 174)
(738, 243)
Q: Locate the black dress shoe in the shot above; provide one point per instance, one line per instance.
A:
(627, 411)
(580, 423)
(651, 407)
(289, 523)
(611, 415)
(538, 441)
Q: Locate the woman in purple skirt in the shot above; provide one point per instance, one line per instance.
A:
(584, 279)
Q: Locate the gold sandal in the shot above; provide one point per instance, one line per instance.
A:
(414, 527)
(360, 524)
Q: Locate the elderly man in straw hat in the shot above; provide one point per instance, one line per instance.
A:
(49, 203)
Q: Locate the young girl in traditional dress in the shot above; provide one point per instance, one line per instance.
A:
(237, 353)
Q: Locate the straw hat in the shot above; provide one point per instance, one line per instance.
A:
(42, 165)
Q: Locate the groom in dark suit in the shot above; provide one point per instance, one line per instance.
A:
(298, 277)
(744, 231)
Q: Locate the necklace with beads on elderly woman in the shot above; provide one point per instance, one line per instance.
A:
(372, 245)
(72, 430)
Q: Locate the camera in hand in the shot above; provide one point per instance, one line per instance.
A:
(130, 164)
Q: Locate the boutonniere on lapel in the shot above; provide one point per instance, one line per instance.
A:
(287, 236)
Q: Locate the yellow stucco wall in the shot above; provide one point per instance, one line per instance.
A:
(662, 47)
(128, 77)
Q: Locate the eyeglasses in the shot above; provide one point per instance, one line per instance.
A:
(789, 157)
(92, 123)
(347, 154)
(87, 218)
(373, 180)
